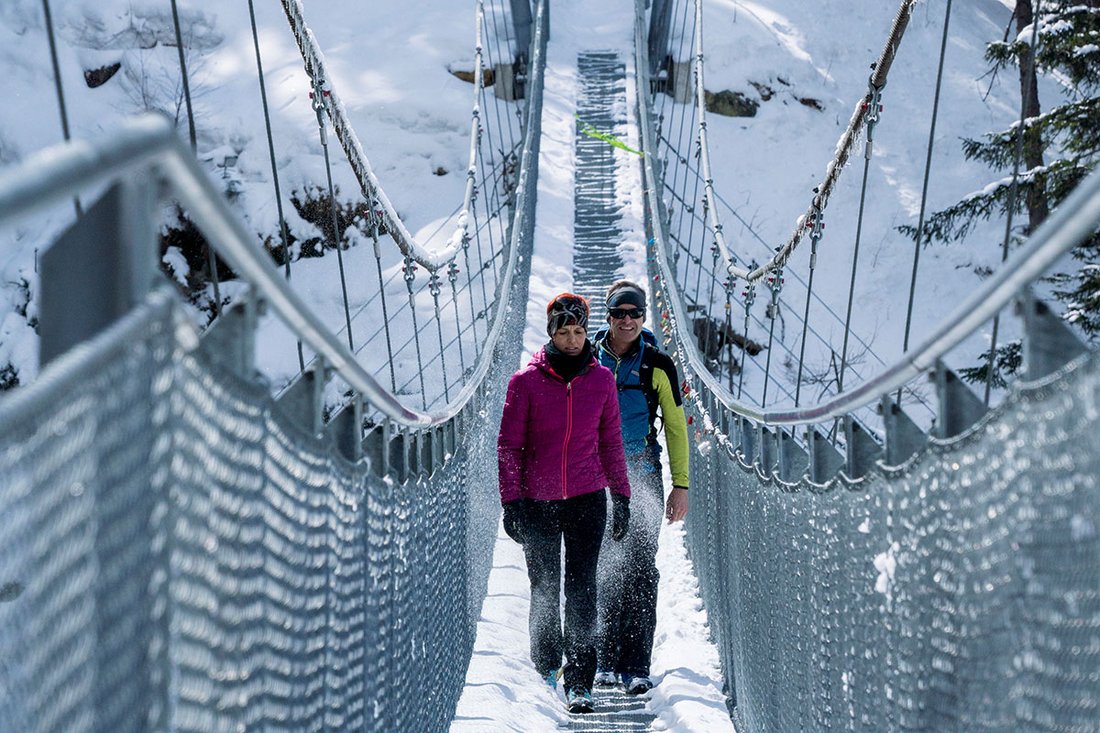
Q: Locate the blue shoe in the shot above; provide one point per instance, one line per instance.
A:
(552, 677)
(579, 700)
(606, 679)
(637, 684)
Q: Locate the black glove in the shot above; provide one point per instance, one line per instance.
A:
(620, 516)
(513, 519)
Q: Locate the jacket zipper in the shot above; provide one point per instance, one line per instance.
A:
(618, 363)
(568, 432)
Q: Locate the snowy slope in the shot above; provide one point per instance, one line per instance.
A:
(766, 166)
(391, 66)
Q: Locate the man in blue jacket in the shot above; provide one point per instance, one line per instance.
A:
(648, 385)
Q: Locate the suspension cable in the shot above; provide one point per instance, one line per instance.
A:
(452, 277)
(756, 236)
(749, 295)
(927, 172)
(775, 281)
(873, 113)
(410, 276)
(374, 221)
(698, 122)
(284, 234)
(319, 95)
(493, 62)
(211, 258)
(671, 84)
(1067, 225)
(709, 215)
(817, 225)
(1025, 102)
(709, 204)
(60, 91)
(435, 288)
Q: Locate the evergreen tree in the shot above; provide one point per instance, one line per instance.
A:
(1053, 152)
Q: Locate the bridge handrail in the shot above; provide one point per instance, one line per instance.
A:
(710, 203)
(1074, 219)
(150, 142)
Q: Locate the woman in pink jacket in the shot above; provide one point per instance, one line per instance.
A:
(560, 445)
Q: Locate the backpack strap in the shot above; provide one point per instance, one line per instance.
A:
(645, 377)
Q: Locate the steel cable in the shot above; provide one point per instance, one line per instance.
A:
(872, 120)
(349, 141)
(283, 233)
(211, 258)
(58, 86)
(927, 171)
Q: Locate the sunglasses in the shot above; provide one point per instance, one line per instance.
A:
(620, 313)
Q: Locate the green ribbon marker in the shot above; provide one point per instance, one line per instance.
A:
(608, 138)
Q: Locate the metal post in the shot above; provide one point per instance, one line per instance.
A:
(959, 407)
(825, 460)
(747, 432)
(376, 448)
(346, 429)
(1048, 342)
(766, 456)
(862, 449)
(793, 460)
(99, 268)
(903, 437)
(230, 341)
(660, 24)
(400, 463)
(522, 20)
(303, 400)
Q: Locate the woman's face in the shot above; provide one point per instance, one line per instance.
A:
(570, 339)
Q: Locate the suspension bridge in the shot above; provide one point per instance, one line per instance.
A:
(197, 538)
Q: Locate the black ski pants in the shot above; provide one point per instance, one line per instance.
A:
(579, 521)
(629, 577)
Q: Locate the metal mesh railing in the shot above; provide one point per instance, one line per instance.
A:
(76, 500)
(958, 592)
(191, 559)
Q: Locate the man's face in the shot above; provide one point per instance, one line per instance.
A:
(625, 323)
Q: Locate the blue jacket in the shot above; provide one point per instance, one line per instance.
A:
(647, 381)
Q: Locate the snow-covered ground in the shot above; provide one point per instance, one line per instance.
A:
(504, 693)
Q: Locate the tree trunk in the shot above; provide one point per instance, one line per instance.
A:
(1037, 208)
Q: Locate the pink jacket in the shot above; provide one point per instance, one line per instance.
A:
(560, 440)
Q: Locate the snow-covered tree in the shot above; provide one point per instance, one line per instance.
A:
(1052, 151)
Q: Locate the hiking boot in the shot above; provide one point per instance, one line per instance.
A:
(551, 678)
(579, 700)
(606, 679)
(637, 684)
